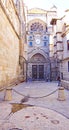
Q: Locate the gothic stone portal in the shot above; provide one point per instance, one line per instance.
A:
(38, 68)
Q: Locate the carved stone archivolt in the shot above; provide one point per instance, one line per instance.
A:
(38, 58)
(41, 54)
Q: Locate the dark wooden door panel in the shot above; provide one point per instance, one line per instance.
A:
(34, 72)
(41, 71)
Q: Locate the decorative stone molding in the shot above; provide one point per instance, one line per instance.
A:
(59, 42)
(58, 32)
(41, 52)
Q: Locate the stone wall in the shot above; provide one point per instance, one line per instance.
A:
(65, 70)
(65, 37)
(9, 45)
(65, 84)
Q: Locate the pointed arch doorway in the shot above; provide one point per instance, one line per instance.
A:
(38, 67)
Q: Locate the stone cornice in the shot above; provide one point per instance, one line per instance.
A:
(63, 34)
(36, 11)
(59, 42)
(4, 10)
(58, 32)
(59, 50)
(67, 58)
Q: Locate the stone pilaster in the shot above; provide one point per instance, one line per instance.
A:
(59, 39)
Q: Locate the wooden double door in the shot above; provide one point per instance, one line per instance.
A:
(37, 72)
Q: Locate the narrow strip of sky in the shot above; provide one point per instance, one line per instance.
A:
(61, 5)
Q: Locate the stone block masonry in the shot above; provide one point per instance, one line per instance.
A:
(65, 84)
(9, 48)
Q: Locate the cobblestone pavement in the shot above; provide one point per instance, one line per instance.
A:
(43, 112)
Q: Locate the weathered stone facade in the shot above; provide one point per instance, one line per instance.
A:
(22, 44)
(9, 43)
(65, 59)
(61, 47)
(57, 48)
(34, 44)
(39, 31)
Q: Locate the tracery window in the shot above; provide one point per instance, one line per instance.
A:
(36, 27)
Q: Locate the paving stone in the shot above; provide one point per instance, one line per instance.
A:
(37, 117)
(5, 110)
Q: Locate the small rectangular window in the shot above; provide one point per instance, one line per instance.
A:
(45, 43)
(30, 43)
(45, 37)
(68, 66)
(67, 44)
(30, 37)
